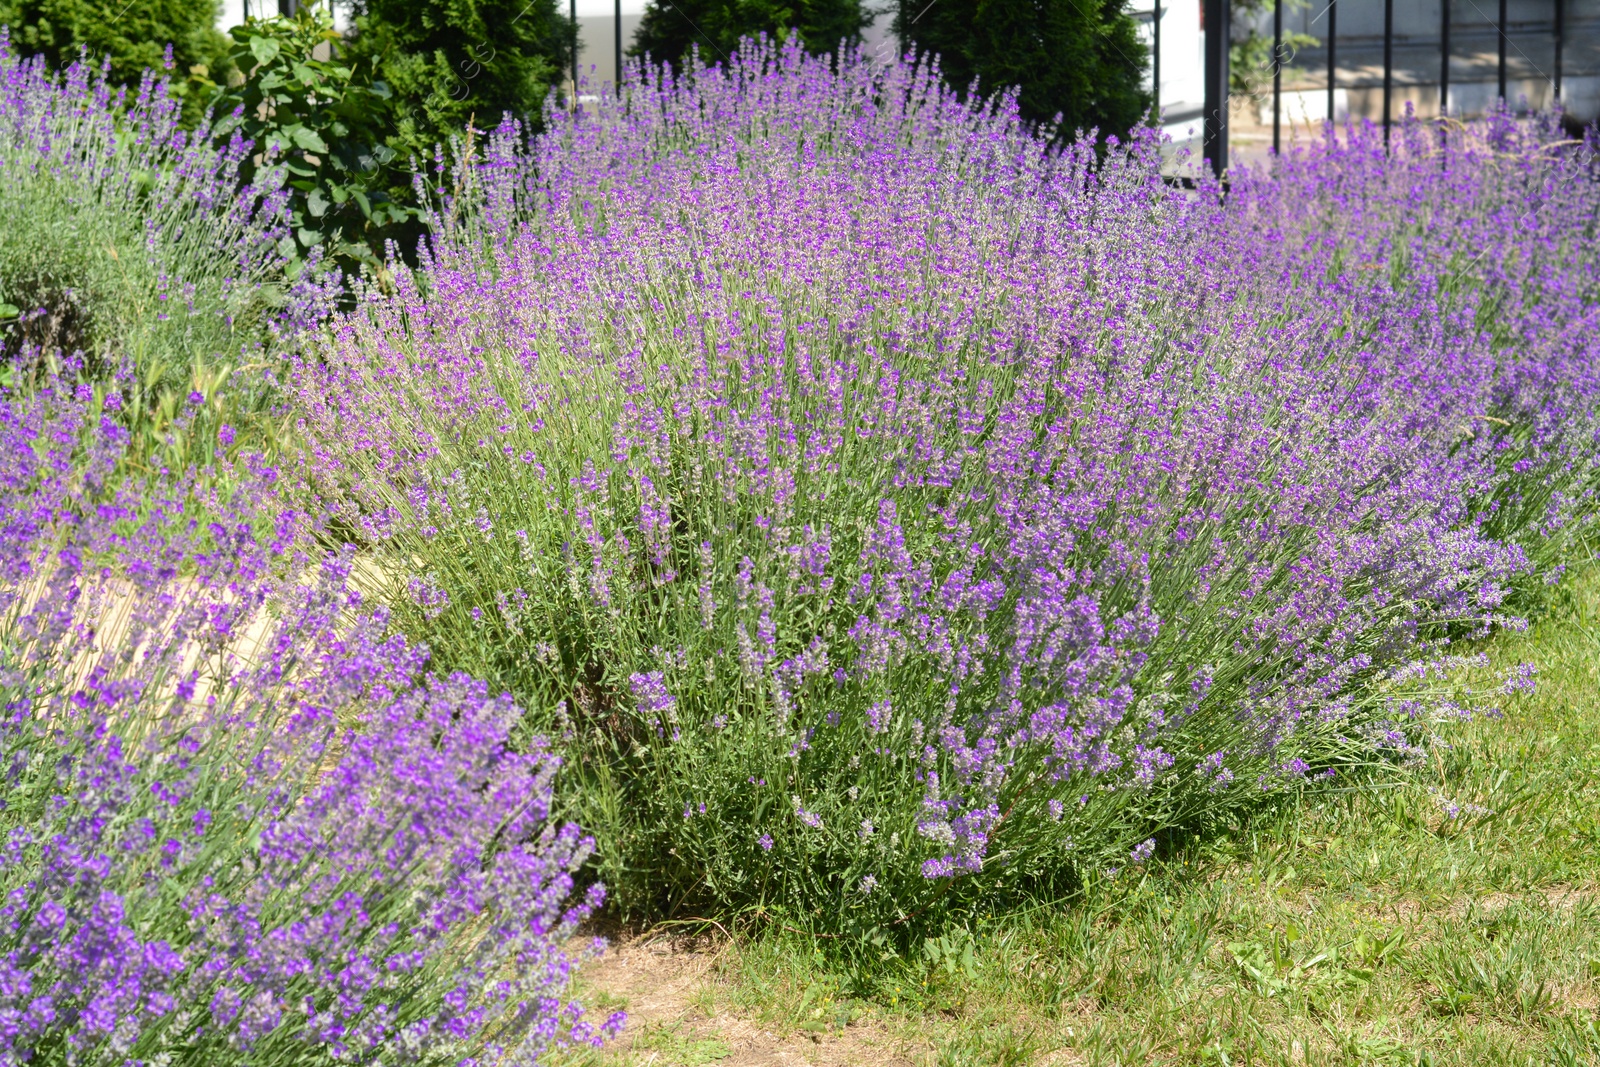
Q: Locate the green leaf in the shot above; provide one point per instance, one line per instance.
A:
(265, 49)
(9, 311)
(362, 202)
(317, 203)
(308, 139)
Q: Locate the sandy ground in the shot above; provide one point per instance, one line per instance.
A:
(678, 1014)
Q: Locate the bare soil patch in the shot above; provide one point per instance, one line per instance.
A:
(679, 1016)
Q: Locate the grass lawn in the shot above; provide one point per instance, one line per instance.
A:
(1361, 928)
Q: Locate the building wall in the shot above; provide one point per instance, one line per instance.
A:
(1181, 94)
(597, 47)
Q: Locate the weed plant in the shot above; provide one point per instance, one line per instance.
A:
(897, 516)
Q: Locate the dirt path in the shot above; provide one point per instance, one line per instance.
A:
(679, 1014)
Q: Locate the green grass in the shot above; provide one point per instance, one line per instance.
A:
(1354, 928)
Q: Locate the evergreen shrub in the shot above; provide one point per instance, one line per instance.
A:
(1074, 66)
(671, 29)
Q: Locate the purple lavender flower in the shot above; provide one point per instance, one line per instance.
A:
(187, 259)
(1519, 679)
(1119, 496)
(347, 831)
(650, 691)
(878, 717)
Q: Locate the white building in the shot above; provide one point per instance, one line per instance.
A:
(1180, 94)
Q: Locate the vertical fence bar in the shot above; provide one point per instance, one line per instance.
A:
(1277, 71)
(1500, 72)
(617, 7)
(1155, 62)
(1388, 64)
(1561, 40)
(1444, 58)
(572, 13)
(1333, 52)
(1216, 14)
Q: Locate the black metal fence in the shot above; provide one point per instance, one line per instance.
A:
(1438, 58)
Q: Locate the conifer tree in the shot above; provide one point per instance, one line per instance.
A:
(1079, 59)
(670, 28)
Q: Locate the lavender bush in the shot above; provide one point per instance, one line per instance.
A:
(131, 239)
(895, 512)
(241, 823)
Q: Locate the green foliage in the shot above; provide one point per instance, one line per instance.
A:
(449, 63)
(669, 30)
(1076, 66)
(313, 114)
(131, 36)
